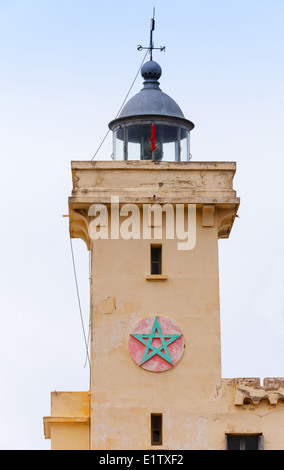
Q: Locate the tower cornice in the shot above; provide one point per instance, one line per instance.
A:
(209, 185)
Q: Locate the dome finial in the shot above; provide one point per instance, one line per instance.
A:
(151, 46)
(151, 71)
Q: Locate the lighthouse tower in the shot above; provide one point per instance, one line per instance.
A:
(151, 219)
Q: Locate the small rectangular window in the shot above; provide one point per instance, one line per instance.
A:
(156, 429)
(244, 442)
(156, 259)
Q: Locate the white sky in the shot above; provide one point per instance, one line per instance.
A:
(66, 67)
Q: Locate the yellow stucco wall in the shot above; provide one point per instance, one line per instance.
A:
(124, 393)
(69, 424)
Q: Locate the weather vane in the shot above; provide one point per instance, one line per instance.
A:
(151, 46)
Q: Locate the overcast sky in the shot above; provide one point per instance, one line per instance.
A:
(65, 69)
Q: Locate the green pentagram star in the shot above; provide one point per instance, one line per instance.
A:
(146, 339)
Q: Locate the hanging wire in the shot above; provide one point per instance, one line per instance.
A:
(122, 103)
(79, 302)
(86, 340)
(89, 329)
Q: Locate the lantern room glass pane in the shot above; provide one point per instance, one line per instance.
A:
(118, 144)
(166, 143)
(138, 142)
(184, 145)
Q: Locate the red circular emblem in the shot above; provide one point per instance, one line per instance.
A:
(156, 344)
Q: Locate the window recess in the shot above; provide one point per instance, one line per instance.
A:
(244, 441)
(156, 429)
(156, 259)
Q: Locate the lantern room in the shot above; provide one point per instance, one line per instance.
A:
(151, 126)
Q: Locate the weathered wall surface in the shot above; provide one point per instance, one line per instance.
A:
(68, 427)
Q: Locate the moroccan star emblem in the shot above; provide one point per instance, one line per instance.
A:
(161, 350)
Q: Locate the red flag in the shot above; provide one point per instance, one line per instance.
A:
(152, 138)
